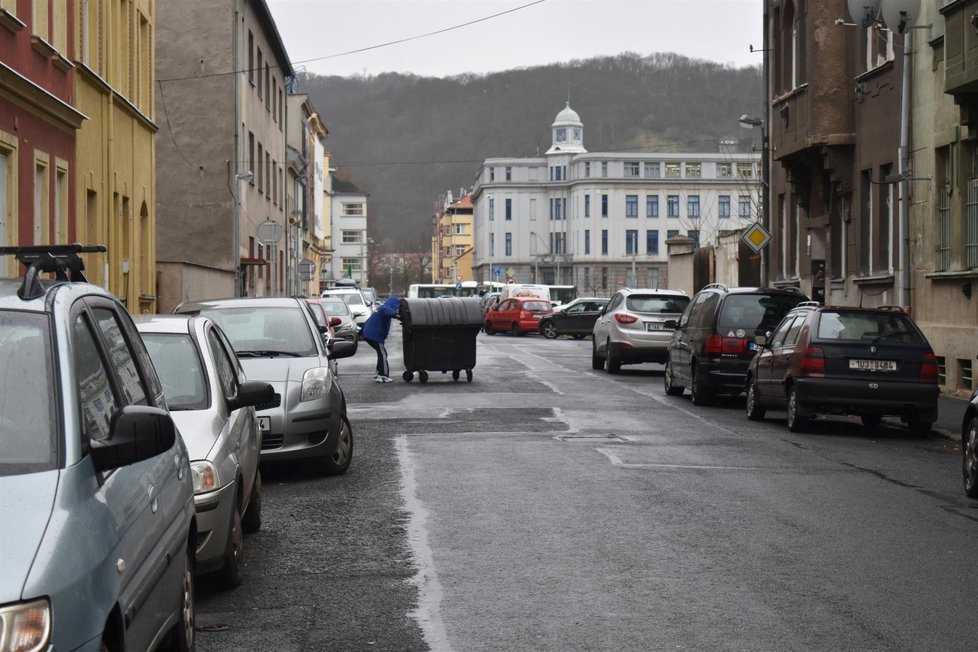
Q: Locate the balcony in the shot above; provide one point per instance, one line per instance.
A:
(961, 46)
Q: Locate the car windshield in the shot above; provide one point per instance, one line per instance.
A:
(271, 330)
(876, 326)
(28, 410)
(654, 304)
(536, 305)
(754, 313)
(351, 298)
(335, 308)
(180, 369)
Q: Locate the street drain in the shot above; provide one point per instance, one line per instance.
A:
(601, 438)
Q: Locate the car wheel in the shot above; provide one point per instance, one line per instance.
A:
(549, 330)
(919, 428)
(969, 455)
(488, 329)
(515, 329)
(339, 461)
(871, 420)
(796, 422)
(251, 521)
(699, 393)
(672, 389)
(185, 631)
(230, 573)
(578, 336)
(614, 360)
(597, 362)
(754, 410)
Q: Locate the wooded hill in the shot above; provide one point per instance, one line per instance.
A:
(406, 139)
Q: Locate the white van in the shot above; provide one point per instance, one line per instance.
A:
(524, 290)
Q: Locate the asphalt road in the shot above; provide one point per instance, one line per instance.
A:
(546, 506)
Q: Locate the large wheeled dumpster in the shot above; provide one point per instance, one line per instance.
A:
(439, 335)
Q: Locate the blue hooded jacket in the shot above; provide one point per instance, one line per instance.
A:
(378, 325)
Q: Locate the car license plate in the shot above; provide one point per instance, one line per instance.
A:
(264, 424)
(654, 326)
(872, 365)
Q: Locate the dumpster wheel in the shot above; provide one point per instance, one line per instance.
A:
(468, 375)
(423, 376)
(407, 376)
(456, 374)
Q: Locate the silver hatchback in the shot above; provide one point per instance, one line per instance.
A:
(212, 402)
(633, 328)
(278, 342)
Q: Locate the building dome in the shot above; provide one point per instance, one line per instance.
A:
(568, 117)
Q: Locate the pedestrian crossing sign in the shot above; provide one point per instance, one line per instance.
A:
(756, 237)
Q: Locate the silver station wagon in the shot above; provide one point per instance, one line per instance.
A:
(98, 513)
(278, 342)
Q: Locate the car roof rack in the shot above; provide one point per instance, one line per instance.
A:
(808, 304)
(61, 260)
(715, 286)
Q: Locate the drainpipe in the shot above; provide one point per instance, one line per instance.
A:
(905, 299)
(236, 208)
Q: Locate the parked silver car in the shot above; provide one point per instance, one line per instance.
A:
(278, 342)
(359, 305)
(633, 327)
(212, 404)
(98, 514)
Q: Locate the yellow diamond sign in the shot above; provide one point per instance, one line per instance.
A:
(756, 237)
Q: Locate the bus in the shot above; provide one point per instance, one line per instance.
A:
(436, 290)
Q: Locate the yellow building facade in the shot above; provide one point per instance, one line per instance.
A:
(116, 151)
(452, 243)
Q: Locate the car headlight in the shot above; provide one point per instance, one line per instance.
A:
(316, 384)
(205, 476)
(25, 627)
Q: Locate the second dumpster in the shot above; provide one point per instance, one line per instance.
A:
(439, 335)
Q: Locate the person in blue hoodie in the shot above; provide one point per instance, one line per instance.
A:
(375, 331)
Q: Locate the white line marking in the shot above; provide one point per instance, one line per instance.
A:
(428, 612)
(617, 461)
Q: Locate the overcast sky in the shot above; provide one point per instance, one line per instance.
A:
(319, 33)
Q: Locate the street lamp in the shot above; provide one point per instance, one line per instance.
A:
(753, 122)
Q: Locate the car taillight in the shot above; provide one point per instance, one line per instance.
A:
(928, 369)
(718, 345)
(624, 318)
(813, 362)
(523, 314)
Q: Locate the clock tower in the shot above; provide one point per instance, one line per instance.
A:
(567, 133)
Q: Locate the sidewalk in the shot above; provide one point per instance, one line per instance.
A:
(950, 413)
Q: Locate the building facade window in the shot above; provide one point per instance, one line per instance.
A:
(694, 235)
(492, 174)
(674, 170)
(604, 168)
(587, 169)
(652, 206)
(631, 242)
(604, 242)
(671, 233)
(672, 206)
(652, 170)
(694, 170)
(631, 205)
(604, 205)
(509, 244)
(587, 205)
(353, 209)
(693, 206)
(587, 241)
(509, 209)
(723, 206)
(724, 170)
(492, 245)
(352, 237)
(509, 173)
(743, 205)
(632, 168)
(652, 242)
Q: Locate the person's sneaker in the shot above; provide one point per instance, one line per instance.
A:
(382, 379)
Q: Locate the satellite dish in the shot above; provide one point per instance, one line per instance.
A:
(864, 12)
(900, 15)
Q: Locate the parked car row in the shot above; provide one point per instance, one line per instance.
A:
(130, 448)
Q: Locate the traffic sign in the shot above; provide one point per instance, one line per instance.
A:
(496, 271)
(756, 237)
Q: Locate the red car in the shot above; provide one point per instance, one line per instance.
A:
(518, 315)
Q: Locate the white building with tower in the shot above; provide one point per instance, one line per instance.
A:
(600, 220)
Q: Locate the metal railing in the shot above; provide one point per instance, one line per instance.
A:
(944, 232)
(971, 226)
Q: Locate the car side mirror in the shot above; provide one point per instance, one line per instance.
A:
(252, 393)
(341, 348)
(761, 340)
(671, 324)
(136, 433)
(335, 321)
